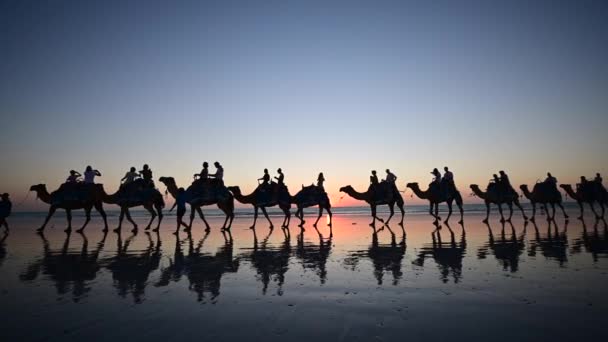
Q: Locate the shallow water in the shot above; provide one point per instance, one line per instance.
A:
(499, 282)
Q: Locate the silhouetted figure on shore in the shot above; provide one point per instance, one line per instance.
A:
(204, 175)
(5, 210)
(281, 178)
(180, 202)
(129, 177)
(89, 175)
(219, 173)
(146, 175)
(73, 177)
(320, 181)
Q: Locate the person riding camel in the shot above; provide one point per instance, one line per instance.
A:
(265, 185)
(5, 210)
(129, 177)
(435, 184)
(320, 181)
(448, 178)
(146, 175)
(219, 173)
(373, 179)
(281, 178)
(550, 179)
(598, 179)
(73, 177)
(505, 187)
(204, 175)
(89, 175)
(390, 177)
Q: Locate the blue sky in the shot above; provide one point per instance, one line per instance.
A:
(338, 87)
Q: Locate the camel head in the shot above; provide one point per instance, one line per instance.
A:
(524, 187)
(475, 188)
(412, 185)
(38, 188)
(235, 190)
(347, 189)
(167, 180)
(565, 186)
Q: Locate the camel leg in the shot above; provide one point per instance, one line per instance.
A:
(502, 218)
(533, 219)
(597, 217)
(392, 210)
(255, 217)
(152, 214)
(99, 208)
(68, 213)
(563, 210)
(87, 213)
(487, 212)
(373, 208)
(449, 211)
(120, 218)
(52, 210)
(402, 214)
(553, 211)
(287, 217)
(202, 215)
(267, 218)
(159, 213)
(431, 211)
(580, 204)
(330, 216)
(318, 217)
(130, 219)
(300, 215)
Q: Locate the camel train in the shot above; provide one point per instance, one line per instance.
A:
(210, 190)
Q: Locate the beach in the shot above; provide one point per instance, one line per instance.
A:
(504, 282)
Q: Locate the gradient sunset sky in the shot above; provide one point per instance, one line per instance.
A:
(341, 87)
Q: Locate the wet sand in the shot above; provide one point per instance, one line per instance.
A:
(505, 283)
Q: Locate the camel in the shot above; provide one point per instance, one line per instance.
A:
(434, 201)
(226, 204)
(150, 198)
(582, 197)
(310, 196)
(87, 199)
(367, 197)
(493, 197)
(281, 198)
(544, 196)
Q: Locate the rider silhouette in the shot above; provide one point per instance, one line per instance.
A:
(129, 177)
(320, 181)
(89, 175)
(448, 178)
(204, 175)
(219, 173)
(373, 179)
(281, 178)
(598, 179)
(146, 174)
(5, 210)
(265, 181)
(390, 177)
(73, 177)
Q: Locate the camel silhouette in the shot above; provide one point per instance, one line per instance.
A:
(224, 201)
(506, 250)
(435, 198)
(81, 196)
(277, 195)
(493, 196)
(150, 198)
(68, 269)
(310, 196)
(581, 197)
(544, 195)
(394, 197)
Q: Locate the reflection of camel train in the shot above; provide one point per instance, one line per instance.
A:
(213, 192)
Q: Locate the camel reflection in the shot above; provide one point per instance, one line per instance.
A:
(204, 270)
(506, 250)
(385, 257)
(447, 255)
(3, 247)
(70, 270)
(269, 262)
(314, 256)
(595, 242)
(553, 246)
(131, 270)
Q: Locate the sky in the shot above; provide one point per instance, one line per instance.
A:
(340, 87)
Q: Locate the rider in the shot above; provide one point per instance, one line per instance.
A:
(5, 210)
(281, 178)
(73, 177)
(320, 181)
(265, 181)
(598, 179)
(204, 175)
(219, 173)
(89, 175)
(373, 179)
(129, 177)
(448, 177)
(550, 179)
(390, 177)
(146, 174)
